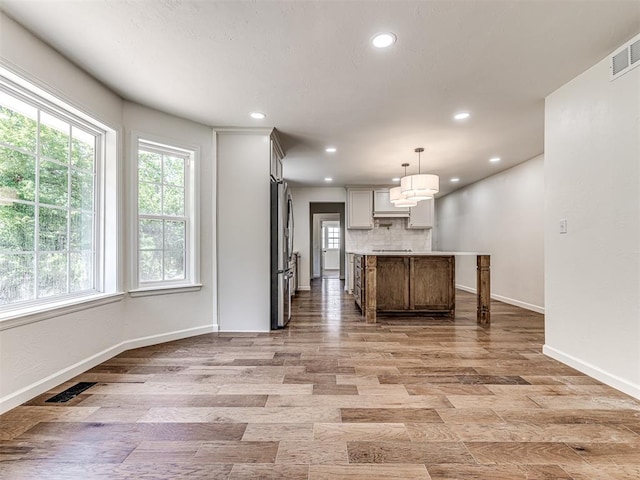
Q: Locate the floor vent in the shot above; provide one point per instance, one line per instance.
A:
(625, 58)
(71, 392)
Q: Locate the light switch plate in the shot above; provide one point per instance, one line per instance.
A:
(563, 225)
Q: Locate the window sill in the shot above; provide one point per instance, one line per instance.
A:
(17, 318)
(165, 290)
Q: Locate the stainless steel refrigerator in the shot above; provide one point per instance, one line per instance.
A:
(281, 250)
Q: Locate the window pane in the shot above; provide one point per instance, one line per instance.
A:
(81, 271)
(151, 266)
(174, 235)
(53, 183)
(174, 171)
(53, 229)
(149, 167)
(54, 138)
(17, 175)
(17, 227)
(173, 201)
(18, 126)
(149, 198)
(52, 272)
(82, 149)
(81, 231)
(174, 265)
(81, 190)
(150, 234)
(17, 279)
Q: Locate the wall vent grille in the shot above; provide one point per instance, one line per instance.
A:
(625, 58)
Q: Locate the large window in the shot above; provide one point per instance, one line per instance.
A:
(49, 186)
(165, 228)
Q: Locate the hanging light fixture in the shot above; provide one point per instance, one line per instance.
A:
(397, 198)
(422, 186)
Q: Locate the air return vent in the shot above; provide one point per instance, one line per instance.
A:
(71, 392)
(625, 58)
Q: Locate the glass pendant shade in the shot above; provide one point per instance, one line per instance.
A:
(420, 187)
(399, 200)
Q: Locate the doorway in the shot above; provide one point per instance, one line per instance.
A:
(330, 235)
(327, 240)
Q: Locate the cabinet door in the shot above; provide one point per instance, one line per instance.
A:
(421, 215)
(432, 283)
(392, 283)
(360, 209)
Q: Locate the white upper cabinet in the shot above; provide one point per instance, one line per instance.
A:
(382, 206)
(360, 209)
(421, 215)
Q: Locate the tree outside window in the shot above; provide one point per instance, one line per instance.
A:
(48, 165)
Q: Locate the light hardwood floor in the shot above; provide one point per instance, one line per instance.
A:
(332, 397)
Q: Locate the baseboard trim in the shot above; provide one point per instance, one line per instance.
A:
(27, 393)
(605, 377)
(302, 288)
(510, 301)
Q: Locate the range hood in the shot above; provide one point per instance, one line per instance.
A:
(382, 206)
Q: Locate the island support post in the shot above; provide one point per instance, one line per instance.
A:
(483, 285)
(371, 290)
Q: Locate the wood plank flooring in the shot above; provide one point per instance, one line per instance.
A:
(332, 397)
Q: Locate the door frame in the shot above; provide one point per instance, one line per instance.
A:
(316, 208)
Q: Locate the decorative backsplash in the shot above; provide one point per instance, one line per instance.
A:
(388, 233)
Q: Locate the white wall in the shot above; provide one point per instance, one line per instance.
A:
(148, 315)
(592, 178)
(40, 355)
(302, 197)
(502, 215)
(244, 269)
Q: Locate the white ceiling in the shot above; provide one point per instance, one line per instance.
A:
(310, 67)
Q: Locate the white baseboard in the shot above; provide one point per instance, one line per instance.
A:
(510, 301)
(27, 393)
(605, 377)
(303, 288)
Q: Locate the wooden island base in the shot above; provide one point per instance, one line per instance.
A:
(415, 283)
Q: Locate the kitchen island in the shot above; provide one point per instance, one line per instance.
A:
(415, 282)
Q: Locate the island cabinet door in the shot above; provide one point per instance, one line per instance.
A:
(432, 283)
(392, 287)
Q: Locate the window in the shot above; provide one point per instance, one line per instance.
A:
(50, 184)
(332, 238)
(165, 218)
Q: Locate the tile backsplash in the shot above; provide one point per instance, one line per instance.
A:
(390, 233)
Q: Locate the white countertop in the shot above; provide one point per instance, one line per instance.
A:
(400, 253)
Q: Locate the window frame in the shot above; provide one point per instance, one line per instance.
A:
(191, 282)
(106, 283)
(330, 239)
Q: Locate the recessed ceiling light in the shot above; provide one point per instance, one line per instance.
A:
(257, 115)
(330, 149)
(494, 159)
(462, 115)
(455, 179)
(328, 179)
(383, 40)
(396, 179)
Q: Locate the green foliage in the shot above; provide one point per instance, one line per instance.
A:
(63, 174)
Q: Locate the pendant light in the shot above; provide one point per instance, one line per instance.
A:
(422, 186)
(397, 198)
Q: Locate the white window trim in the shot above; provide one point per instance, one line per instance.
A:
(192, 191)
(107, 198)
